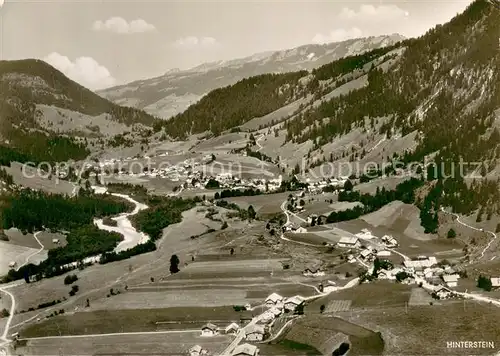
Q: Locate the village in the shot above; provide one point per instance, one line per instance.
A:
(437, 278)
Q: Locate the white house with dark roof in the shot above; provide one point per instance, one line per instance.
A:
(245, 350)
(275, 311)
(389, 241)
(232, 328)
(451, 280)
(273, 299)
(254, 332)
(443, 293)
(209, 329)
(293, 302)
(349, 242)
(197, 350)
(367, 255)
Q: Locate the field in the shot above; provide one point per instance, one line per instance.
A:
(425, 330)
(310, 238)
(420, 297)
(325, 334)
(138, 344)
(263, 204)
(96, 281)
(37, 181)
(18, 238)
(19, 254)
(134, 320)
(287, 348)
(175, 298)
(320, 205)
(442, 247)
(377, 294)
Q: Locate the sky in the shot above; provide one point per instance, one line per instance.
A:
(101, 43)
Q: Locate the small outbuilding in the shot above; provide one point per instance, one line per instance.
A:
(209, 329)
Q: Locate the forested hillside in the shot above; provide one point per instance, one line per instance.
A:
(445, 87)
(231, 106)
(234, 105)
(24, 84)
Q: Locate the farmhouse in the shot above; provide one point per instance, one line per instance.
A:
(197, 350)
(367, 255)
(349, 242)
(385, 274)
(209, 330)
(389, 241)
(301, 230)
(420, 264)
(442, 292)
(245, 350)
(273, 299)
(293, 302)
(351, 259)
(311, 217)
(254, 333)
(266, 317)
(451, 280)
(232, 328)
(384, 253)
(495, 282)
(55, 241)
(12, 264)
(275, 311)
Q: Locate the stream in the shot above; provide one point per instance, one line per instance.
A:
(131, 237)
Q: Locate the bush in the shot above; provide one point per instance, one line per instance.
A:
(484, 283)
(70, 278)
(3, 237)
(74, 290)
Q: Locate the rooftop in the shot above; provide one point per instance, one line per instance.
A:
(245, 349)
(348, 240)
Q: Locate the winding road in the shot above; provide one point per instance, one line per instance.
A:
(35, 235)
(124, 226)
(4, 338)
(494, 235)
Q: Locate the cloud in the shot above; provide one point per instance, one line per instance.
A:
(84, 70)
(366, 20)
(193, 42)
(121, 26)
(372, 13)
(337, 35)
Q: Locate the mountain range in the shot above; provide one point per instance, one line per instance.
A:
(173, 92)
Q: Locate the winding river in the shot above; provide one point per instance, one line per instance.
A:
(131, 237)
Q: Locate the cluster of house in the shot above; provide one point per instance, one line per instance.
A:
(317, 187)
(255, 331)
(426, 269)
(240, 350)
(439, 279)
(192, 172)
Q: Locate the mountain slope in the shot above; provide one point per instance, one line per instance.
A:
(46, 116)
(235, 105)
(172, 93)
(438, 102)
(431, 99)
